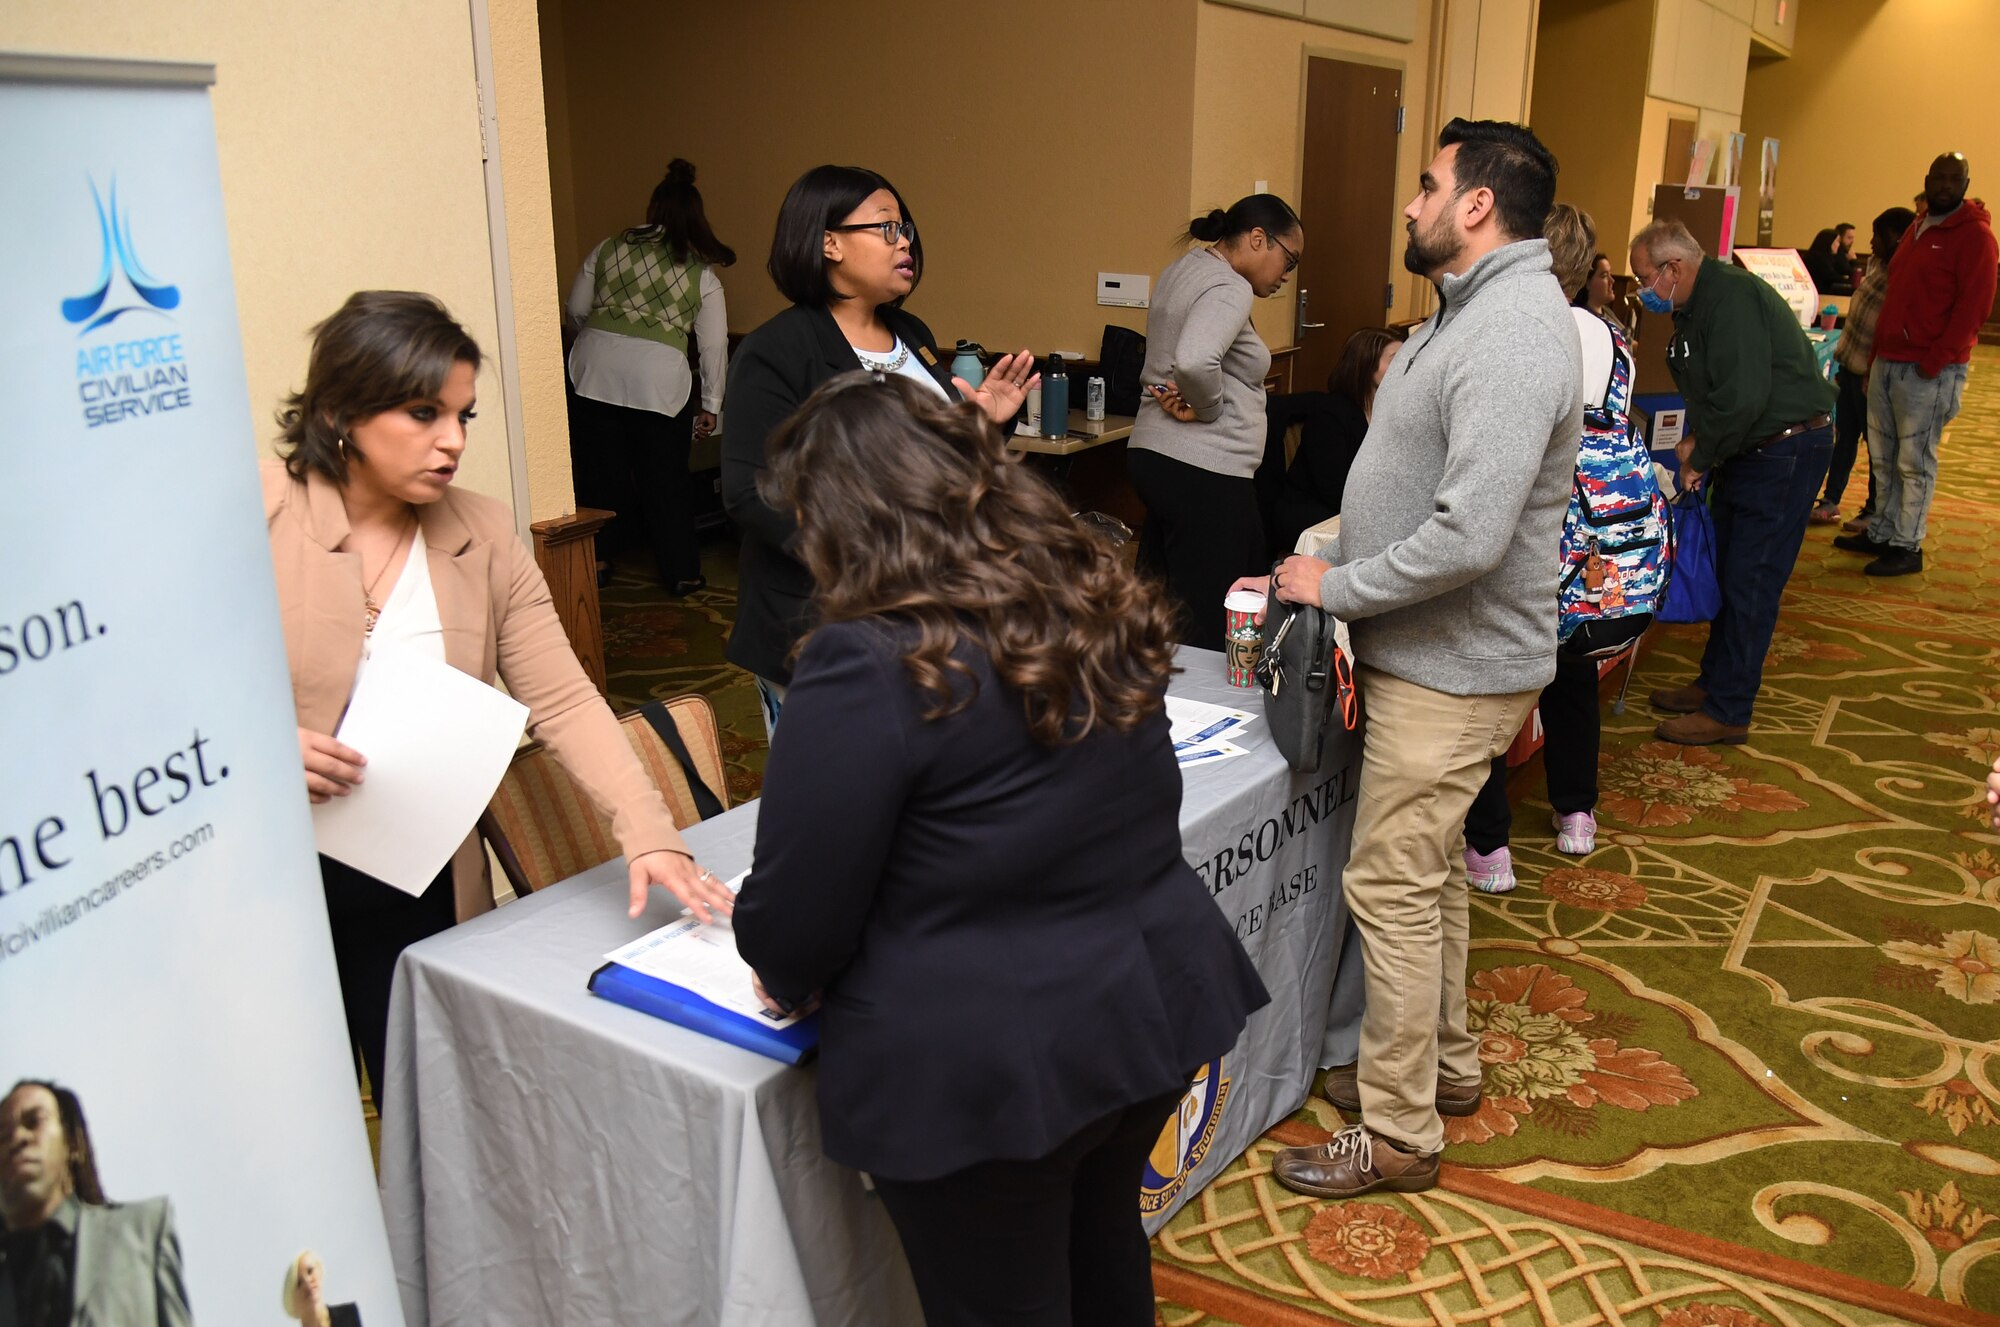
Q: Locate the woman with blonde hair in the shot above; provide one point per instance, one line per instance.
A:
(969, 849)
(304, 1295)
(1569, 704)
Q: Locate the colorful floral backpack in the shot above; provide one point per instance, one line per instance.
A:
(1617, 553)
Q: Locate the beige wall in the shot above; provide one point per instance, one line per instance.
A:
(1874, 89)
(1030, 159)
(1589, 100)
(1469, 57)
(531, 260)
(1249, 109)
(345, 169)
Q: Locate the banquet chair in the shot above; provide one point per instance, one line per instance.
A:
(541, 826)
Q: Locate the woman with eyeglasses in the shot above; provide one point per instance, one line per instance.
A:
(1200, 434)
(846, 254)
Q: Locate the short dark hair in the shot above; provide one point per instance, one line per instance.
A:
(1894, 221)
(76, 1138)
(1354, 376)
(1266, 212)
(817, 201)
(1508, 159)
(676, 219)
(378, 350)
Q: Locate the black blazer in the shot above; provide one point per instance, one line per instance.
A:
(1331, 433)
(772, 373)
(1009, 942)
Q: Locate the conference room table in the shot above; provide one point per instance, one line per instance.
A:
(551, 1157)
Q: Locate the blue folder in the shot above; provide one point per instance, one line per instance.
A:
(662, 999)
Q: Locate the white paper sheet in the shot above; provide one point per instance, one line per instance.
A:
(700, 957)
(437, 742)
(1208, 754)
(1196, 723)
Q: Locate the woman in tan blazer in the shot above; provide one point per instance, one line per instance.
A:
(372, 545)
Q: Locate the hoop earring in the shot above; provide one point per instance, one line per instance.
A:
(340, 446)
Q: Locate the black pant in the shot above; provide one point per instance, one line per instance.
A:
(1045, 1243)
(1203, 530)
(1850, 421)
(635, 462)
(372, 925)
(1569, 756)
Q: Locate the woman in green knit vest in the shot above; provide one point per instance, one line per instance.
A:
(636, 300)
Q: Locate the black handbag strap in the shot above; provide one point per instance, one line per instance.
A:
(706, 803)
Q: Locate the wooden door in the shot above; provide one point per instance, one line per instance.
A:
(1348, 202)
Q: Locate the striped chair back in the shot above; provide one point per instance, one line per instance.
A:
(543, 828)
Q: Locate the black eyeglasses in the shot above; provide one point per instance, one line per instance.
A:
(890, 231)
(1291, 259)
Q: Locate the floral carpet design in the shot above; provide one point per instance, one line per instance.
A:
(1742, 1062)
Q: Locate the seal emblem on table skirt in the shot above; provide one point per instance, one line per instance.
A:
(1184, 1142)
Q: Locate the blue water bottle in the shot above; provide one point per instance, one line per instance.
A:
(1055, 399)
(967, 364)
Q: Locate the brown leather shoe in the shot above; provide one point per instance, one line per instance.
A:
(1351, 1163)
(1343, 1089)
(1698, 729)
(1679, 700)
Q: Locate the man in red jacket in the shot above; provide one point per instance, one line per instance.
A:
(1941, 284)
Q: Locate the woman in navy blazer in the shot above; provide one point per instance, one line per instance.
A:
(846, 253)
(969, 850)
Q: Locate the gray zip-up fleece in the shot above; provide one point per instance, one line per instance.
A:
(1447, 559)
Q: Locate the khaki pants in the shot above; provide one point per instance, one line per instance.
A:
(1425, 758)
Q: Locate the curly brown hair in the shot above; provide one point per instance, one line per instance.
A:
(912, 509)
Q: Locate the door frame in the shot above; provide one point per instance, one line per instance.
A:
(1308, 52)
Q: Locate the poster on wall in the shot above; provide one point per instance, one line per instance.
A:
(1733, 162)
(1767, 192)
(184, 1140)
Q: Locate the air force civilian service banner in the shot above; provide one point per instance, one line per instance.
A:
(163, 944)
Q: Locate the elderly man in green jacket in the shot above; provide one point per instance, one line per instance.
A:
(1760, 423)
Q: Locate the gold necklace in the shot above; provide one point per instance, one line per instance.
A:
(371, 612)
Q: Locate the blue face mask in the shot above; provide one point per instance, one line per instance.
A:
(1652, 301)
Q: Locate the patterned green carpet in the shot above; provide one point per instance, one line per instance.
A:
(1742, 1063)
(656, 646)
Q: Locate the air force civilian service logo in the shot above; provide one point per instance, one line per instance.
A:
(120, 376)
(1184, 1142)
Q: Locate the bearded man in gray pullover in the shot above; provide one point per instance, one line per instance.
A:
(1445, 571)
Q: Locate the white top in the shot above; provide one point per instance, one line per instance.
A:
(1598, 349)
(638, 373)
(909, 368)
(409, 619)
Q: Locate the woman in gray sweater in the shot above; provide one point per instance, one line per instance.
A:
(1200, 433)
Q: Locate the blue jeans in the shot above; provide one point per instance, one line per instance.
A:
(1761, 503)
(1907, 413)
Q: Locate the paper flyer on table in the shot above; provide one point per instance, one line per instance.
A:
(1208, 754)
(437, 742)
(700, 957)
(1193, 722)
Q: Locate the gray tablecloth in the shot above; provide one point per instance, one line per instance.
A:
(550, 1157)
